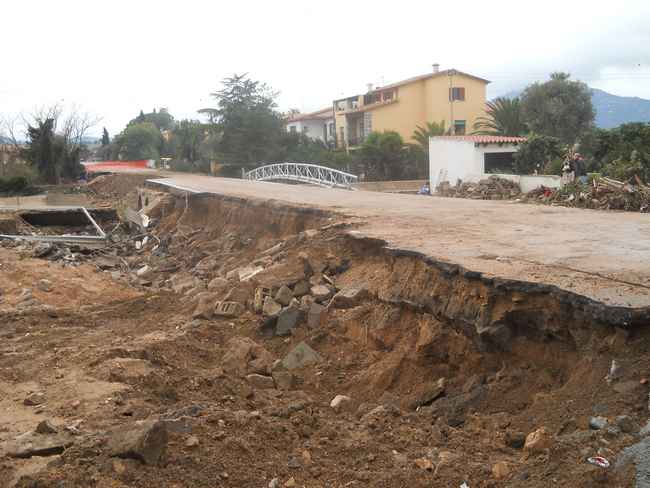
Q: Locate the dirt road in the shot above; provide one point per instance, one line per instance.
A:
(601, 255)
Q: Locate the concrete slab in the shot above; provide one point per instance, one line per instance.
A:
(602, 255)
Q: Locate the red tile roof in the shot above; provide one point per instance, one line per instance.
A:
(326, 113)
(476, 139)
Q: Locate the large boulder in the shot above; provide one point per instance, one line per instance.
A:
(350, 297)
(288, 319)
(300, 356)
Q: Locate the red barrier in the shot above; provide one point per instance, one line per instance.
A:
(116, 166)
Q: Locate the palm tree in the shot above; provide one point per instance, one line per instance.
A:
(504, 118)
(421, 134)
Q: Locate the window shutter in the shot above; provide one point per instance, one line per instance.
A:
(461, 94)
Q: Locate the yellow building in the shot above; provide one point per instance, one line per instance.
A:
(451, 96)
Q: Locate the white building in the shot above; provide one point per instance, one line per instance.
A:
(317, 125)
(472, 158)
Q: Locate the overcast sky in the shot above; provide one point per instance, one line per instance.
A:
(116, 57)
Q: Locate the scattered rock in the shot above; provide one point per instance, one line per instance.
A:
(301, 288)
(144, 271)
(427, 394)
(37, 398)
(627, 424)
(349, 297)
(597, 423)
(321, 293)
(243, 356)
(306, 302)
(290, 483)
(261, 381)
(274, 483)
(284, 295)
(240, 293)
(284, 380)
(300, 356)
(271, 307)
(314, 315)
(501, 470)
(45, 285)
(288, 319)
(515, 440)
(424, 463)
(205, 307)
(538, 441)
(339, 402)
(192, 441)
(145, 441)
(46, 427)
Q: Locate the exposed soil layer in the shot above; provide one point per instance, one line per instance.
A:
(446, 371)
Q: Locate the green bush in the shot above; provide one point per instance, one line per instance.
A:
(17, 185)
(536, 153)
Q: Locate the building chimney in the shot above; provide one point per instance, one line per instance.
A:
(436, 68)
(369, 86)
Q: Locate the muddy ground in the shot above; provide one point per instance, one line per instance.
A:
(447, 379)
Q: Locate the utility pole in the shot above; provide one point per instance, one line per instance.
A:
(452, 126)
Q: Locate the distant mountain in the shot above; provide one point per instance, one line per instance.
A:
(612, 110)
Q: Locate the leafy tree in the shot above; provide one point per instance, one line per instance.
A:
(162, 119)
(249, 123)
(189, 134)
(382, 156)
(40, 151)
(140, 118)
(504, 118)
(624, 152)
(559, 108)
(106, 140)
(139, 141)
(421, 134)
(536, 153)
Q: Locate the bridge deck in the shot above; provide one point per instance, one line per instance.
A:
(602, 255)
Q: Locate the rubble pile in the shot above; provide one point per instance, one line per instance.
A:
(491, 188)
(602, 194)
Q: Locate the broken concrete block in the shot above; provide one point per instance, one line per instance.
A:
(243, 355)
(288, 319)
(229, 309)
(143, 271)
(284, 295)
(538, 441)
(34, 399)
(271, 307)
(145, 441)
(284, 380)
(261, 381)
(349, 297)
(339, 402)
(33, 444)
(261, 293)
(300, 356)
(305, 303)
(314, 315)
(46, 427)
(240, 293)
(321, 293)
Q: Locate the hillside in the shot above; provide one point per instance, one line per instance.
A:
(612, 110)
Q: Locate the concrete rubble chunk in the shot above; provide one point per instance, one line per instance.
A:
(305, 303)
(271, 307)
(321, 293)
(349, 297)
(300, 356)
(145, 441)
(597, 423)
(240, 293)
(144, 271)
(35, 444)
(228, 309)
(288, 319)
(627, 424)
(284, 380)
(284, 295)
(46, 427)
(261, 381)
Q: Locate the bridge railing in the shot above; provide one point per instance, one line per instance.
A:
(303, 172)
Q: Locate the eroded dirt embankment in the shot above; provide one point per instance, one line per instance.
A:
(446, 372)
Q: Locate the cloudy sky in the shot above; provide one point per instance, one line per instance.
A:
(116, 57)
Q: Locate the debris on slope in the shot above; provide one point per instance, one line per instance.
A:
(491, 188)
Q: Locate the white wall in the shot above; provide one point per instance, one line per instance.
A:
(530, 182)
(312, 128)
(458, 158)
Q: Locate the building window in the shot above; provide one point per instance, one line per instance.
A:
(457, 94)
(331, 129)
(388, 95)
(292, 128)
(459, 127)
